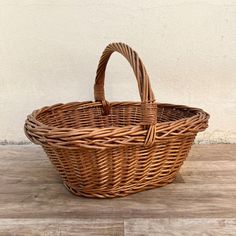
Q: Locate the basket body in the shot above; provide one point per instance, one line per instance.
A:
(119, 171)
(107, 150)
(120, 168)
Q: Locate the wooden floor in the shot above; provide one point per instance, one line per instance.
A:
(202, 200)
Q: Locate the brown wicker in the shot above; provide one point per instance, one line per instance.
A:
(103, 149)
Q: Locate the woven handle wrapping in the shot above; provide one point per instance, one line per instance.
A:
(148, 104)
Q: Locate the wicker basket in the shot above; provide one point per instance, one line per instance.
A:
(103, 149)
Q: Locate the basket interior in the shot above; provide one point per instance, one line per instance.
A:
(78, 116)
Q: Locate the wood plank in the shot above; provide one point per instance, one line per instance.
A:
(180, 227)
(31, 188)
(206, 172)
(213, 152)
(26, 164)
(61, 227)
(179, 200)
(21, 152)
(32, 166)
(204, 152)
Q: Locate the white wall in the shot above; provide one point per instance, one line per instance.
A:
(49, 51)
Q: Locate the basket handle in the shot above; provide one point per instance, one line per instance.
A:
(148, 104)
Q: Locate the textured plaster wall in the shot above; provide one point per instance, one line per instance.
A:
(49, 51)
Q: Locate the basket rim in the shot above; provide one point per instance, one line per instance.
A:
(40, 133)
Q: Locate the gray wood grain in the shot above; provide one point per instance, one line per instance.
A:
(180, 227)
(209, 172)
(59, 227)
(213, 152)
(32, 191)
(180, 200)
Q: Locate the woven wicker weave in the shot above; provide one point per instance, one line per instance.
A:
(103, 149)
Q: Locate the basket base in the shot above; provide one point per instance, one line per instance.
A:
(119, 192)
